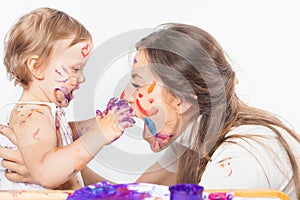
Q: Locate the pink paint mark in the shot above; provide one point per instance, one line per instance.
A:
(163, 136)
(151, 100)
(62, 81)
(36, 133)
(230, 173)
(141, 95)
(65, 69)
(58, 72)
(147, 113)
(85, 51)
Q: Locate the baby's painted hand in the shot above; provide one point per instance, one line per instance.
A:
(115, 118)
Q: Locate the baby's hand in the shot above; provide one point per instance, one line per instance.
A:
(115, 118)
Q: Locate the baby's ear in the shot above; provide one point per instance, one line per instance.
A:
(35, 69)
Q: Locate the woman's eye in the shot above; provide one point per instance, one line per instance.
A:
(135, 85)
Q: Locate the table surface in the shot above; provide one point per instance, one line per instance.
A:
(256, 194)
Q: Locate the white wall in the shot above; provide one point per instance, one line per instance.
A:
(261, 37)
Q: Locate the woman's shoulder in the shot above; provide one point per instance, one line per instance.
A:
(252, 130)
(259, 136)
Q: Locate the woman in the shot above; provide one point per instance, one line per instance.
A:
(184, 89)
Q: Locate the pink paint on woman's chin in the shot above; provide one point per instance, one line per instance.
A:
(161, 141)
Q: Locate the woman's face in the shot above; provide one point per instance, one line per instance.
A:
(153, 103)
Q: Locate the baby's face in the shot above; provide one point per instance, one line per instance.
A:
(152, 103)
(64, 73)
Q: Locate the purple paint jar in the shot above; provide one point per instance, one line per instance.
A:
(186, 192)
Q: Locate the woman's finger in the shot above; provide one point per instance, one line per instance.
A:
(9, 133)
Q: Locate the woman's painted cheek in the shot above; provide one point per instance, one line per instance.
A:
(145, 106)
(151, 126)
(145, 102)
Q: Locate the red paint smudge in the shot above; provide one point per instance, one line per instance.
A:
(85, 51)
(151, 100)
(141, 95)
(147, 113)
(29, 114)
(122, 95)
(36, 133)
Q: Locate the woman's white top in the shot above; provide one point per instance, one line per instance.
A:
(245, 163)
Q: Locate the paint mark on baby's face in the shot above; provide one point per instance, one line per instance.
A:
(85, 51)
(35, 134)
(63, 75)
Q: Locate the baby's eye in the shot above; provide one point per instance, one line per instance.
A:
(135, 85)
(76, 70)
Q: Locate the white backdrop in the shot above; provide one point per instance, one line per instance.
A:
(261, 37)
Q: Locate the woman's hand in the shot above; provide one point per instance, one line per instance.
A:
(12, 159)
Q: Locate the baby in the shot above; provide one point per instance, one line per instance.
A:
(46, 52)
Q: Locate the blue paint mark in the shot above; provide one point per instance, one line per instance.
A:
(151, 126)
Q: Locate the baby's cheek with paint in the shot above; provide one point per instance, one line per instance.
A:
(72, 81)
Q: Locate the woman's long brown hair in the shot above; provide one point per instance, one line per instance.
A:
(200, 60)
